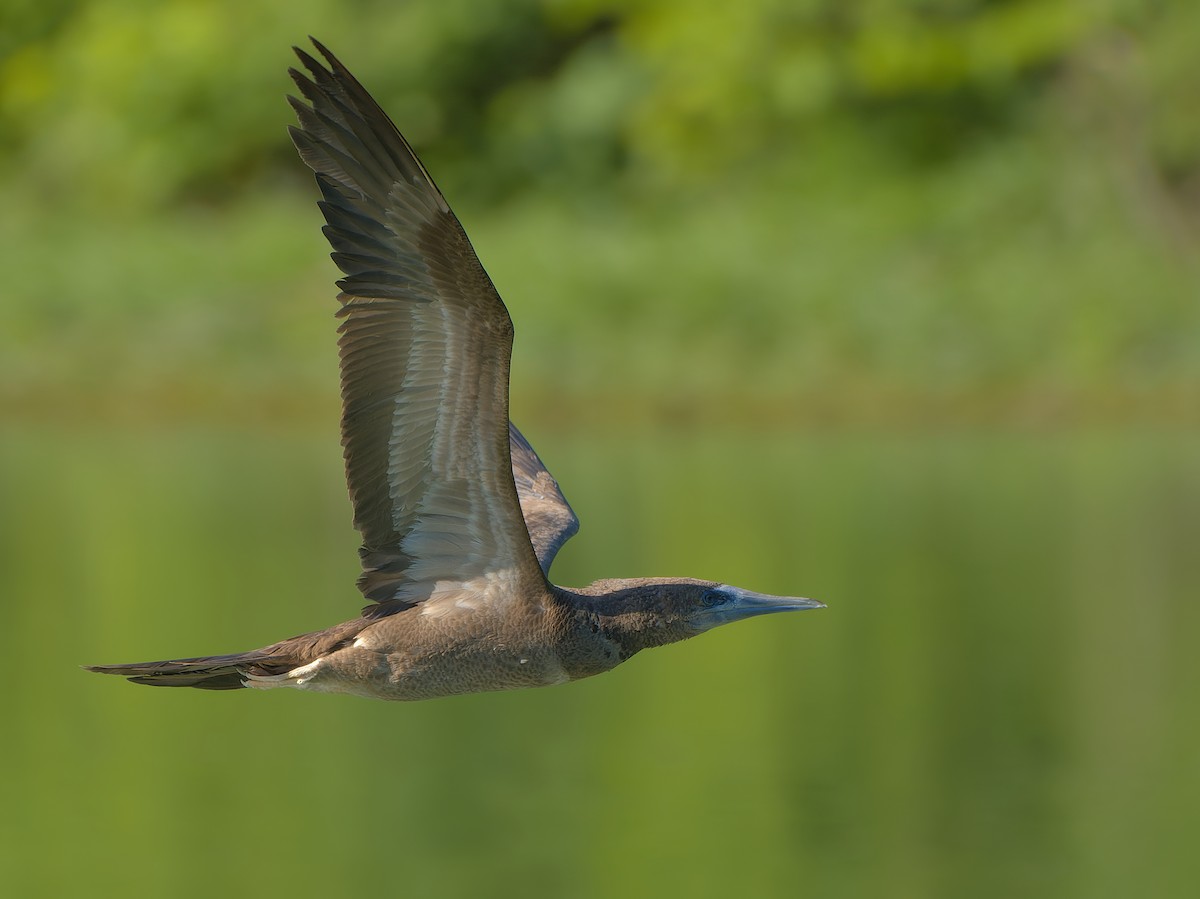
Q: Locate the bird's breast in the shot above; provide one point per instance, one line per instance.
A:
(470, 668)
(412, 656)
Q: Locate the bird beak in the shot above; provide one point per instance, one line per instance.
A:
(747, 604)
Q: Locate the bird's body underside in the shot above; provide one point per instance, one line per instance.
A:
(411, 655)
(459, 518)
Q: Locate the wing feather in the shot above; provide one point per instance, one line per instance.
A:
(548, 516)
(424, 342)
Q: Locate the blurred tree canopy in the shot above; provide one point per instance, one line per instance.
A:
(824, 204)
(118, 100)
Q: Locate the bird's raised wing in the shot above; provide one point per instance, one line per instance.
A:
(424, 343)
(550, 519)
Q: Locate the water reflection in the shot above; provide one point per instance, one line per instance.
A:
(1000, 699)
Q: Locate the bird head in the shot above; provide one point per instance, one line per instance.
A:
(650, 612)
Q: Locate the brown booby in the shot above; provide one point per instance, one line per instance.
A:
(459, 518)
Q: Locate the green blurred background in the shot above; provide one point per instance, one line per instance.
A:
(892, 304)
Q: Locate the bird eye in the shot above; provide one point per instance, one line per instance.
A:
(712, 598)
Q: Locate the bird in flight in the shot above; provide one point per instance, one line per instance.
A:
(460, 520)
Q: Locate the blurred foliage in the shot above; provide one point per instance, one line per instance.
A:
(121, 98)
(965, 196)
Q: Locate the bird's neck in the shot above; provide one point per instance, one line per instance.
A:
(630, 614)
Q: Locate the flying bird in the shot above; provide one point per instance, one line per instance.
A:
(460, 520)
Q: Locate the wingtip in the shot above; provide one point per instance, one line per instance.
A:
(315, 69)
(324, 51)
(296, 103)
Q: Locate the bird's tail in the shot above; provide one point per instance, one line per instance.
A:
(228, 672)
(266, 667)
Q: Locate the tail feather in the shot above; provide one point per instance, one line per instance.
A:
(230, 672)
(226, 672)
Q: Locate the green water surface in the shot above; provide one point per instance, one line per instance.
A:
(1001, 699)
